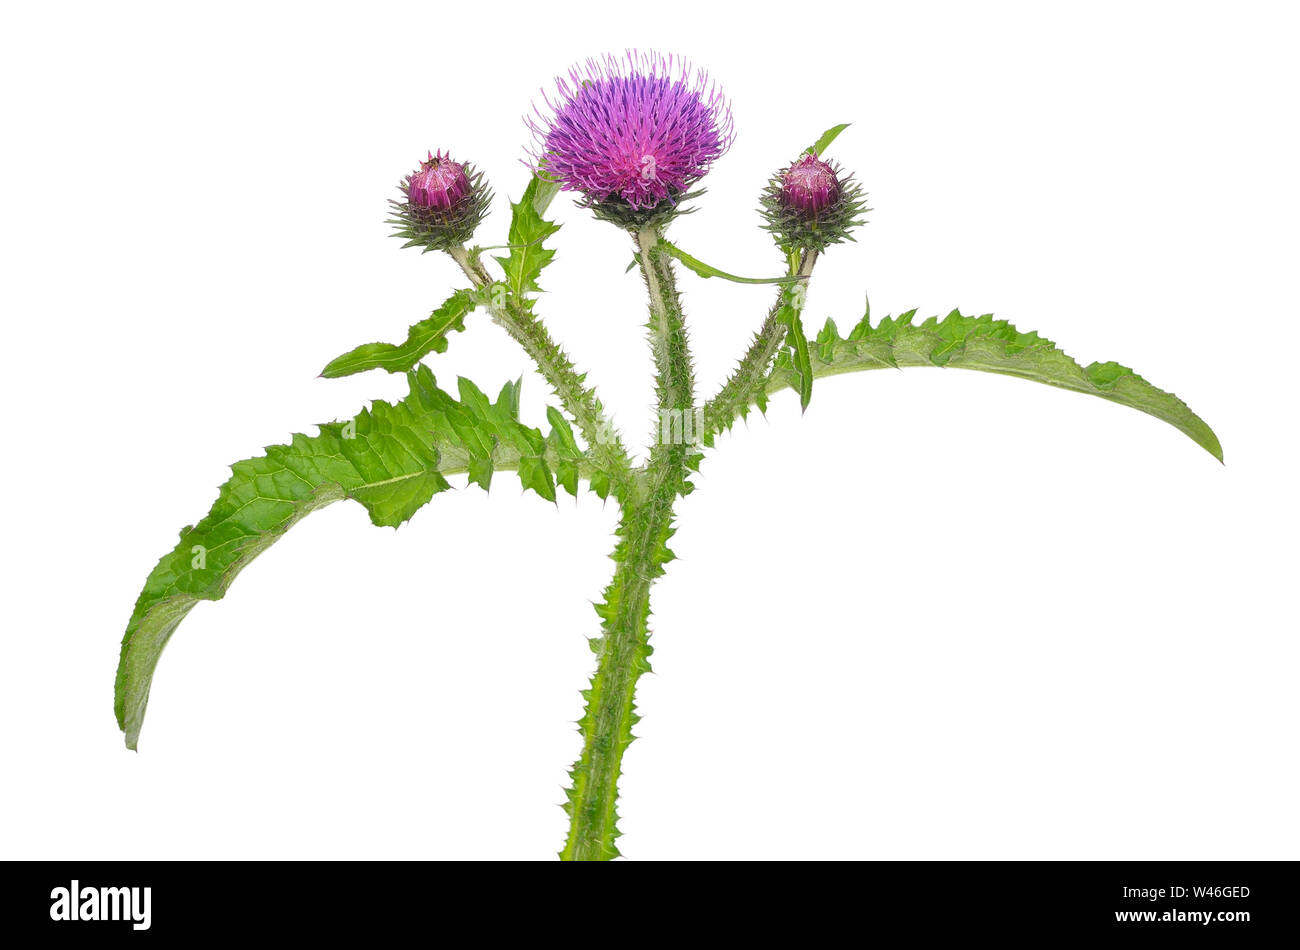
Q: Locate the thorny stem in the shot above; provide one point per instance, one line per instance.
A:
(646, 495)
(578, 400)
(643, 532)
(674, 374)
(748, 382)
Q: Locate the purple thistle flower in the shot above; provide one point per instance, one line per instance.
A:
(634, 132)
(809, 186)
(438, 183)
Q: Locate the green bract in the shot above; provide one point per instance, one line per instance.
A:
(393, 458)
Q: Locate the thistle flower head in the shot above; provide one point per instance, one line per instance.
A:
(810, 204)
(442, 204)
(632, 135)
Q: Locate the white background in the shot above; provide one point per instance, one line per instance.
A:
(943, 615)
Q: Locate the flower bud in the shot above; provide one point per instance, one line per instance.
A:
(810, 205)
(442, 204)
(809, 186)
(438, 183)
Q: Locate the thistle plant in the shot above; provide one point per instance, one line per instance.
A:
(632, 137)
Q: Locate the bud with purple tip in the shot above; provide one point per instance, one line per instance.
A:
(810, 205)
(632, 135)
(442, 204)
(809, 186)
(438, 183)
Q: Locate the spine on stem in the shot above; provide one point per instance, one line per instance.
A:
(747, 384)
(623, 648)
(624, 652)
(579, 401)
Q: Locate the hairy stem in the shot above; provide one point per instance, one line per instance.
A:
(624, 654)
(674, 374)
(624, 649)
(578, 400)
(746, 384)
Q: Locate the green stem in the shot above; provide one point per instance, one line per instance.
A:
(578, 400)
(624, 654)
(624, 649)
(674, 374)
(747, 384)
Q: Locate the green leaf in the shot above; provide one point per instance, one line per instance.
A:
(707, 270)
(826, 341)
(544, 191)
(796, 352)
(391, 458)
(429, 335)
(819, 147)
(600, 483)
(565, 448)
(801, 357)
(992, 346)
(480, 472)
(534, 474)
(528, 229)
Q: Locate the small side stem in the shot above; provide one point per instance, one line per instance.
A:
(578, 400)
(747, 384)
